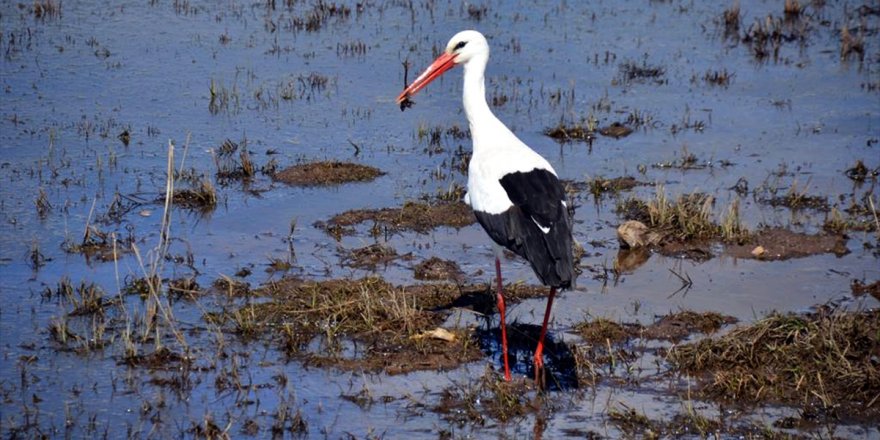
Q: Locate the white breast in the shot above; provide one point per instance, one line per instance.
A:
(489, 165)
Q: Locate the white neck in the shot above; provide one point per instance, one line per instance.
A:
(476, 108)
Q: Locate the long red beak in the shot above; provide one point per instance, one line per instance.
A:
(443, 63)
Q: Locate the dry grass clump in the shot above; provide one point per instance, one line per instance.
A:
(47, 8)
(792, 9)
(388, 321)
(828, 360)
(688, 217)
(851, 45)
(202, 197)
(601, 330)
(721, 78)
(231, 168)
(731, 18)
(631, 71)
(327, 173)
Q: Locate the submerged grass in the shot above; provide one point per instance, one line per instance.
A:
(825, 360)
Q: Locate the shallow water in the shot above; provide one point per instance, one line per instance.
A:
(73, 82)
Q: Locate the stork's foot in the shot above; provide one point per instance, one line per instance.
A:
(540, 377)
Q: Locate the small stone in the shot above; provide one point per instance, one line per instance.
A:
(437, 333)
(758, 251)
(634, 234)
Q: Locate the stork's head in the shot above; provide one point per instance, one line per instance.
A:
(461, 49)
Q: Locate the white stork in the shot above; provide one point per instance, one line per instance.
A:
(514, 192)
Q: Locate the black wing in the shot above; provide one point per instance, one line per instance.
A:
(538, 225)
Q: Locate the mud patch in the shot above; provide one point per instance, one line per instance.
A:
(413, 216)
(327, 173)
(775, 244)
(825, 362)
(678, 326)
(434, 269)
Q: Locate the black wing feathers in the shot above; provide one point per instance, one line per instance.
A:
(537, 198)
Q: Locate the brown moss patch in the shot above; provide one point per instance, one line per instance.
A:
(826, 360)
(327, 173)
(783, 244)
(412, 216)
(678, 326)
(434, 269)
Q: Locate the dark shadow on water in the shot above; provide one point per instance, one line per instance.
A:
(480, 301)
(522, 339)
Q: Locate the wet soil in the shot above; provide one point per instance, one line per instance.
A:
(327, 173)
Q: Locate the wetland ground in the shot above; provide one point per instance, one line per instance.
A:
(215, 222)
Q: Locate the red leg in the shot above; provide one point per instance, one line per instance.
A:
(500, 295)
(539, 352)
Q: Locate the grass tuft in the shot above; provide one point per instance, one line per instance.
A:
(825, 359)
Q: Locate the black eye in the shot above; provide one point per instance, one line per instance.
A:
(459, 45)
